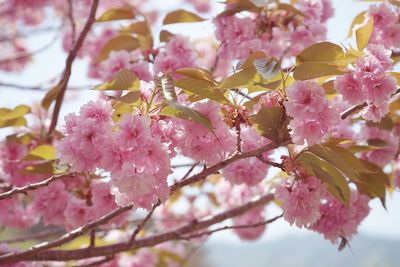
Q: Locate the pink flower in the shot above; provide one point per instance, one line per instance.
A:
(14, 214)
(249, 171)
(250, 218)
(77, 213)
(83, 148)
(99, 110)
(337, 220)
(304, 98)
(384, 155)
(133, 132)
(141, 189)
(199, 143)
(178, 53)
(349, 86)
(375, 112)
(301, 200)
(50, 202)
(311, 131)
(380, 91)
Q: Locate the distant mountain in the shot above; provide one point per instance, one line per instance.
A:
(303, 251)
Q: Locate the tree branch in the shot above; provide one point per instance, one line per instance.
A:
(68, 65)
(110, 250)
(143, 222)
(30, 187)
(208, 233)
(17, 256)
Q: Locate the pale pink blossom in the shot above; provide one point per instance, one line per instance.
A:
(338, 221)
(50, 202)
(300, 200)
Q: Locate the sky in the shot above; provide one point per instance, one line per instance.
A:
(49, 64)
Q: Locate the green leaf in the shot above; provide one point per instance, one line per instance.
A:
(122, 80)
(181, 16)
(386, 123)
(290, 9)
(178, 111)
(342, 159)
(272, 123)
(125, 12)
(312, 70)
(42, 168)
(118, 43)
(359, 19)
(239, 79)
(372, 186)
(363, 34)
(325, 52)
(202, 88)
(143, 31)
(165, 36)
(120, 109)
(336, 182)
(200, 82)
(129, 98)
(13, 117)
(43, 152)
(50, 96)
(197, 73)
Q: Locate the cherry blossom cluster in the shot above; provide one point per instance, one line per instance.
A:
(307, 203)
(276, 32)
(369, 81)
(386, 25)
(313, 116)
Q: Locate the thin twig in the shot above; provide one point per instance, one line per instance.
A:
(68, 65)
(72, 20)
(142, 224)
(29, 54)
(189, 171)
(359, 107)
(352, 110)
(109, 250)
(271, 163)
(92, 238)
(30, 187)
(34, 251)
(210, 232)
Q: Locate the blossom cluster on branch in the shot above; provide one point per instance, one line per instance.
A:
(265, 111)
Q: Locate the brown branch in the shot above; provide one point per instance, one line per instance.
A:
(271, 163)
(40, 87)
(30, 187)
(16, 256)
(215, 168)
(72, 20)
(110, 250)
(352, 110)
(359, 107)
(231, 227)
(68, 65)
(143, 222)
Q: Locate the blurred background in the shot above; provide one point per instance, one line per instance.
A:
(378, 241)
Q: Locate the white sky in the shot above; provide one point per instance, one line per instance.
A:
(49, 64)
